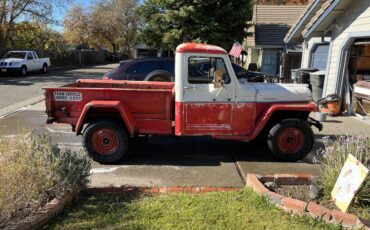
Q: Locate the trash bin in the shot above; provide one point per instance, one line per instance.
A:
(317, 83)
(303, 75)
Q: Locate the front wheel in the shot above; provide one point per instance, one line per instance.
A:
(23, 71)
(290, 139)
(44, 68)
(106, 141)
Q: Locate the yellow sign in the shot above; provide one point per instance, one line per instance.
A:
(349, 181)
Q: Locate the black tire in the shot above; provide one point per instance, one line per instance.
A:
(44, 68)
(23, 71)
(106, 141)
(290, 139)
(159, 75)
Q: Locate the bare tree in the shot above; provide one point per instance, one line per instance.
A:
(107, 24)
(115, 22)
(76, 26)
(13, 10)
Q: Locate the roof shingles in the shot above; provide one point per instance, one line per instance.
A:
(271, 23)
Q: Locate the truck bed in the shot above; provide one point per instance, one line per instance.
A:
(150, 103)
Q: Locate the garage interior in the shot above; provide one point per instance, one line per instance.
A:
(357, 84)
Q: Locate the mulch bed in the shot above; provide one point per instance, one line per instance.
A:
(299, 192)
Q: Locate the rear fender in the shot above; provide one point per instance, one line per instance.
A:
(262, 121)
(123, 110)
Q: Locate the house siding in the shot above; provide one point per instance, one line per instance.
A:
(355, 19)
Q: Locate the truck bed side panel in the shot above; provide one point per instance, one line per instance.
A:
(151, 106)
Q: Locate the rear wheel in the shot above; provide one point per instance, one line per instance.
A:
(106, 141)
(159, 75)
(290, 139)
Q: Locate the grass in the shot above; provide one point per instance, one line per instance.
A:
(216, 210)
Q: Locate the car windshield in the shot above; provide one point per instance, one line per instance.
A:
(20, 55)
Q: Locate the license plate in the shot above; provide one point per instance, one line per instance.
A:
(3, 70)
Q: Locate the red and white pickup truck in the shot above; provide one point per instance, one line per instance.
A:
(211, 103)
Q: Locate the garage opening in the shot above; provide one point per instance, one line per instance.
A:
(357, 82)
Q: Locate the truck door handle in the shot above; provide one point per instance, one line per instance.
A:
(190, 87)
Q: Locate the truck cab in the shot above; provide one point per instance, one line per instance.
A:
(206, 99)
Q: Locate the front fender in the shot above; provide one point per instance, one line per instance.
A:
(262, 121)
(123, 110)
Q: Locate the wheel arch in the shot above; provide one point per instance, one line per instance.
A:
(278, 112)
(113, 110)
(159, 72)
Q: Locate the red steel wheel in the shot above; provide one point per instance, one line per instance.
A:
(105, 141)
(291, 140)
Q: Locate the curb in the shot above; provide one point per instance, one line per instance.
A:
(158, 190)
(46, 213)
(11, 109)
(299, 207)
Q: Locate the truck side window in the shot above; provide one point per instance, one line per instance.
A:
(203, 70)
(29, 56)
(133, 69)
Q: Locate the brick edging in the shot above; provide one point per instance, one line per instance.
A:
(41, 217)
(299, 207)
(158, 190)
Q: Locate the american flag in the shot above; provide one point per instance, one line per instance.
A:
(236, 50)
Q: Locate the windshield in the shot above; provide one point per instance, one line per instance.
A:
(20, 55)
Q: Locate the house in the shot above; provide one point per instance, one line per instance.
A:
(335, 36)
(270, 23)
(141, 50)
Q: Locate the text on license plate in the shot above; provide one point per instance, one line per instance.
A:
(3, 70)
(67, 96)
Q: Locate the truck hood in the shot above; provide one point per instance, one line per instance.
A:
(279, 92)
(11, 60)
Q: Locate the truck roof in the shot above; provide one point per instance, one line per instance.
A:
(199, 48)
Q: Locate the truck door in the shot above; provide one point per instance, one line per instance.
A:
(208, 97)
(30, 62)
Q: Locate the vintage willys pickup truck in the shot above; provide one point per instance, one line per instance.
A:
(201, 102)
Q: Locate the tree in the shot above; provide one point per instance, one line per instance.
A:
(15, 10)
(168, 23)
(76, 26)
(111, 23)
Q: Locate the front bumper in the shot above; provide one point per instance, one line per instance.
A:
(4, 70)
(315, 123)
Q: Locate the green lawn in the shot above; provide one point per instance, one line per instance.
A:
(216, 210)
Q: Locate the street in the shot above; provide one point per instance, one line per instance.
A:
(153, 161)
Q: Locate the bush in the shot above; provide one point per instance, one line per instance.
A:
(33, 170)
(333, 158)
